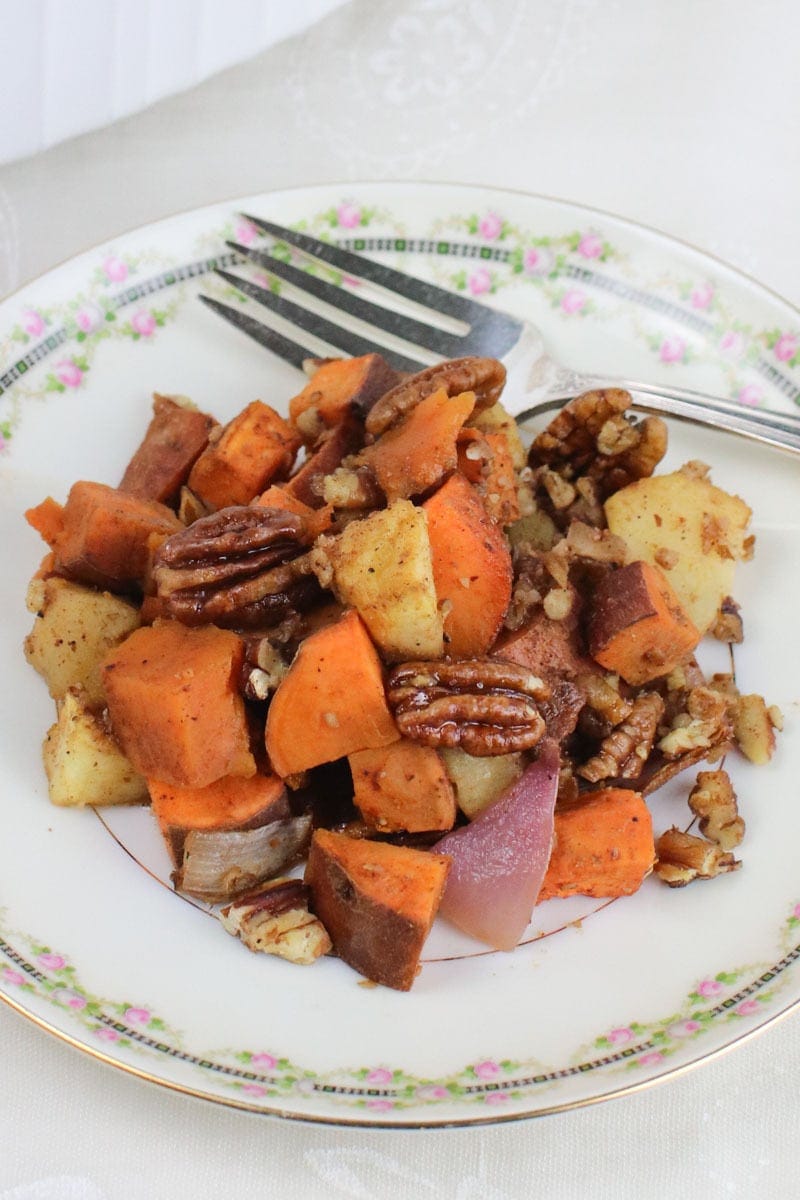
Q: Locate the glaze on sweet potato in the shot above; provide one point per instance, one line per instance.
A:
(377, 902)
(603, 846)
(415, 455)
(331, 701)
(176, 436)
(107, 537)
(257, 447)
(403, 786)
(472, 569)
(174, 703)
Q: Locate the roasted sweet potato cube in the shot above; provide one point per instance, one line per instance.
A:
(174, 703)
(176, 436)
(603, 846)
(403, 786)
(107, 536)
(420, 451)
(255, 448)
(636, 625)
(472, 570)
(545, 646)
(341, 387)
(317, 520)
(47, 518)
(377, 902)
(331, 702)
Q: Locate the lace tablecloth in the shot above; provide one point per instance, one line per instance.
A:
(684, 117)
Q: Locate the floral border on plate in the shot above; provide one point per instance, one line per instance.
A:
(266, 1076)
(579, 272)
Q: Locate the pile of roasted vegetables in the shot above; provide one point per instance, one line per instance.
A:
(382, 638)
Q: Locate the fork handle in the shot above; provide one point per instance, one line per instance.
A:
(539, 384)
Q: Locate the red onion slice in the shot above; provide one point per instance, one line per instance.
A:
(500, 859)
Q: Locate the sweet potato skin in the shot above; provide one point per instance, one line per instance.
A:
(176, 436)
(603, 846)
(403, 786)
(331, 702)
(255, 448)
(472, 569)
(377, 902)
(107, 536)
(174, 703)
(636, 626)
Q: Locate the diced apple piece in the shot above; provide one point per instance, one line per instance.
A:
(74, 630)
(480, 781)
(382, 566)
(377, 902)
(691, 530)
(472, 570)
(636, 625)
(83, 763)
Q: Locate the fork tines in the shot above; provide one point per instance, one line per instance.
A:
(487, 330)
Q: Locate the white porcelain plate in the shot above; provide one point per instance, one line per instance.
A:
(601, 998)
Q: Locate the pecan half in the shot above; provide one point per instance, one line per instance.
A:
(484, 706)
(485, 377)
(234, 567)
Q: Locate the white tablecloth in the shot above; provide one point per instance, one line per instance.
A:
(684, 116)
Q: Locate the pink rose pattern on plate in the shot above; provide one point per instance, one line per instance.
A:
(260, 1076)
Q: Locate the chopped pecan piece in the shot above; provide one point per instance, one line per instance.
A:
(713, 800)
(276, 920)
(485, 706)
(705, 724)
(262, 669)
(485, 377)
(728, 626)
(754, 727)
(234, 567)
(592, 437)
(682, 857)
(624, 752)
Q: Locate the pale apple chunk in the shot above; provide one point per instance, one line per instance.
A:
(478, 782)
(691, 530)
(83, 763)
(74, 630)
(382, 566)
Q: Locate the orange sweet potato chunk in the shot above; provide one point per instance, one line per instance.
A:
(344, 386)
(255, 448)
(331, 701)
(472, 570)
(174, 703)
(485, 459)
(176, 436)
(415, 455)
(602, 847)
(636, 626)
(403, 786)
(47, 518)
(317, 520)
(377, 902)
(107, 536)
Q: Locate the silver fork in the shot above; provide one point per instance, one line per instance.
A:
(536, 381)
